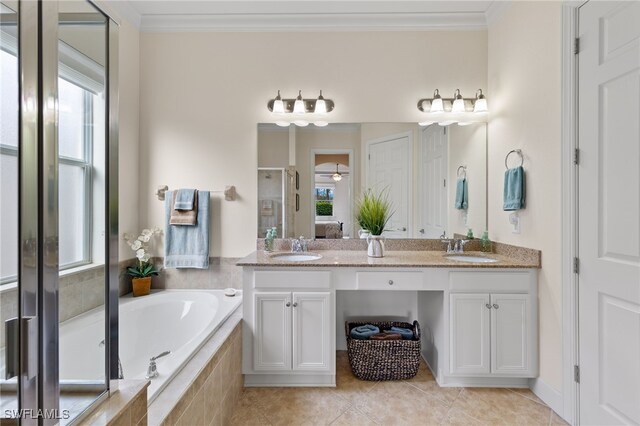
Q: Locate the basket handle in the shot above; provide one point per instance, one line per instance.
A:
(417, 332)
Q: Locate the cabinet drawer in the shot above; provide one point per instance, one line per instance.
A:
(292, 279)
(390, 280)
(490, 281)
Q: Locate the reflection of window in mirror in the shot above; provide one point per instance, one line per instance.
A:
(324, 201)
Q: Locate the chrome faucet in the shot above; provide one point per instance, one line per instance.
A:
(455, 246)
(299, 245)
(449, 246)
(152, 371)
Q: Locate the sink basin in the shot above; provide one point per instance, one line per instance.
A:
(296, 257)
(474, 259)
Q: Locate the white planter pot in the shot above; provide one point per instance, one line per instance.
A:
(375, 246)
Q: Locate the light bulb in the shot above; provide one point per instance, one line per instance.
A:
(458, 103)
(298, 106)
(337, 177)
(283, 123)
(278, 104)
(436, 104)
(321, 105)
(301, 123)
(321, 123)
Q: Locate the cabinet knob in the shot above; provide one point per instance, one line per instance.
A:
(390, 282)
(295, 304)
(495, 306)
(288, 304)
(488, 306)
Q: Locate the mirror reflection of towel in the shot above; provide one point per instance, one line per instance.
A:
(266, 208)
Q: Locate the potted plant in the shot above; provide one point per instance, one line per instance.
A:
(143, 271)
(373, 214)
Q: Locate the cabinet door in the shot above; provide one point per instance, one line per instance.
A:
(272, 338)
(470, 338)
(312, 325)
(511, 336)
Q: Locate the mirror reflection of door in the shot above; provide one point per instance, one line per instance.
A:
(389, 170)
(332, 196)
(271, 201)
(433, 173)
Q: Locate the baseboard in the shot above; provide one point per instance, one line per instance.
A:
(547, 394)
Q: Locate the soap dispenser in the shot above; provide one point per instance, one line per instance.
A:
(485, 243)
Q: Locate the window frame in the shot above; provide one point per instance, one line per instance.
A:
(328, 186)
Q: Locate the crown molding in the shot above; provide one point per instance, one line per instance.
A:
(495, 10)
(120, 10)
(314, 22)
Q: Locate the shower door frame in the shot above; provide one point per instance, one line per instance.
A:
(38, 288)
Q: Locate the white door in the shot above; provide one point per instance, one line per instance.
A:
(470, 336)
(272, 338)
(609, 212)
(510, 336)
(433, 182)
(312, 325)
(389, 168)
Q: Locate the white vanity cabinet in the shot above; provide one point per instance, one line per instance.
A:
(289, 318)
(292, 331)
(493, 325)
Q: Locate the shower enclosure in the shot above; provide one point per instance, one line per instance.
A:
(58, 208)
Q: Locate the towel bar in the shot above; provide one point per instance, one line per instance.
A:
(229, 192)
(516, 151)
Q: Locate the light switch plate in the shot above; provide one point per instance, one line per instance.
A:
(514, 220)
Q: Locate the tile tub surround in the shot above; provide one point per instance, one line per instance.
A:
(516, 253)
(222, 273)
(415, 401)
(207, 389)
(126, 406)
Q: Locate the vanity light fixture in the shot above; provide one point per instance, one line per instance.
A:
(300, 111)
(337, 176)
(480, 105)
(453, 110)
(458, 102)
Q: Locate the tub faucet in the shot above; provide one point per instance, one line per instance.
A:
(120, 370)
(152, 371)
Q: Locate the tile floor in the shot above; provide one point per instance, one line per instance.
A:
(419, 401)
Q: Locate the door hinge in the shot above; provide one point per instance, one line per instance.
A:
(576, 265)
(576, 46)
(576, 156)
(576, 373)
(444, 183)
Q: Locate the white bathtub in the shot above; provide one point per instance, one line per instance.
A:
(179, 321)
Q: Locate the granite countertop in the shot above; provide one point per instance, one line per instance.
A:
(392, 259)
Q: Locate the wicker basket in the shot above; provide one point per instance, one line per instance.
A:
(384, 359)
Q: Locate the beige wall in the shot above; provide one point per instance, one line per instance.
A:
(202, 94)
(129, 174)
(524, 100)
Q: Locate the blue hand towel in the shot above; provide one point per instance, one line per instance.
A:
(406, 333)
(363, 332)
(184, 199)
(462, 195)
(187, 246)
(514, 189)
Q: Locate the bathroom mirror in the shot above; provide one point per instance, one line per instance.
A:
(309, 178)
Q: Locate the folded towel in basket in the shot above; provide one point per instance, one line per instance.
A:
(406, 333)
(386, 336)
(363, 332)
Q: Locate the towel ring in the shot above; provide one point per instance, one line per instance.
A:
(464, 170)
(516, 151)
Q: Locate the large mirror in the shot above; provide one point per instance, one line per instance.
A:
(309, 178)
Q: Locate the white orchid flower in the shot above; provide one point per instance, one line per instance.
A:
(146, 257)
(136, 245)
(140, 254)
(147, 233)
(144, 238)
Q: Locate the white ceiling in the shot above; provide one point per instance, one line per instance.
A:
(301, 15)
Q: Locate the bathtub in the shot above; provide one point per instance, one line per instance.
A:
(179, 321)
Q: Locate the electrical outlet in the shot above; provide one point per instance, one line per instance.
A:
(514, 220)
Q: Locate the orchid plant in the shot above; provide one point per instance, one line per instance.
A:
(140, 245)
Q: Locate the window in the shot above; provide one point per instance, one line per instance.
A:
(75, 141)
(324, 200)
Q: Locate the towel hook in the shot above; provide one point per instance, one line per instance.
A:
(516, 151)
(464, 170)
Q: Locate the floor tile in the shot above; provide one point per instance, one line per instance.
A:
(556, 419)
(353, 417)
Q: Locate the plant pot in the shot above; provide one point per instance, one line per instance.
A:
(141, 286)
(375, 246)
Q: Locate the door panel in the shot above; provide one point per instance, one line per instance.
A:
(609, 212)
(389, 170)
(470, 336)
(312, 325)
(433, 191)
(272, 340)
(510, 340)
